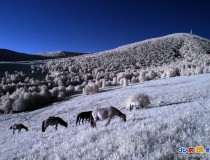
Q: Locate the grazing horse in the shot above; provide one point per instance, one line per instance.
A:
(53, 121)
(106, 113)
(82, 116)
(18, 126)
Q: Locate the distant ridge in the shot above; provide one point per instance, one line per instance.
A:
(60, 54)
(13, 56)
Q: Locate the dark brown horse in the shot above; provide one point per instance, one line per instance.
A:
(106, 113)
(53, 121)
(18, 126)
(83, 116)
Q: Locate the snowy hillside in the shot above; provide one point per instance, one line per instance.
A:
(60, 54)
(179, 117)
(173, 55)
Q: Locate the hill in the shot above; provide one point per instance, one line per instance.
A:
(162, 57)
(11, 56)
(161, 50)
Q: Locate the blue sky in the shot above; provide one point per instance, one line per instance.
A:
(34, 26)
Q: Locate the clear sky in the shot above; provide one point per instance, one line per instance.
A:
(34, 26)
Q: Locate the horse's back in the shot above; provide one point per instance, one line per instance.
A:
(100, 113)
(85, 114)
(52, 121)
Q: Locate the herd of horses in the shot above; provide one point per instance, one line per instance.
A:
(90, 116)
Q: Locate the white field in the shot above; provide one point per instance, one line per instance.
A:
(179, 117)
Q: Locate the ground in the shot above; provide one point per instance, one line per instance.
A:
(178, 116)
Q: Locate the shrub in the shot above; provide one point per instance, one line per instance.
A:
(99, 83)
(151, 75)
(137, 101)
(6, 105)
(78, 88)
(114, 81)
(91, 88)
(172, 72)
(142, 77)
(70, 89)
(125, 82)
(103, 83)
(122, 75)
(135, 80)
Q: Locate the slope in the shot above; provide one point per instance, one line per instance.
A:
(179, 117)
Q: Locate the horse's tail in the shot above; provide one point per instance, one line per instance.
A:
(43, 126)
(10, 127)
(62, 122)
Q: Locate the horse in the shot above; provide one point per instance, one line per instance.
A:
(18, 126)
(53, 121)
(82, 116)
(106, 113)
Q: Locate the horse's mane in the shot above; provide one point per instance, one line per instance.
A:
(22, 126)
(118, 111)
(62, 122)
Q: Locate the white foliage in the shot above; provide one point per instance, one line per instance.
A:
(134, 80)
(6, 105)
(125, 82)
(137, 101)
(78, 88)
(99, 83)
(103, 83)
(114, 81)
(172, 72)
(142, 77)
(151, 75)
(91, 88)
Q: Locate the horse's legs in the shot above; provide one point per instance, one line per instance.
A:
(13, 131)
(82, 120)
(56, 126)
(94, 123)
(79, 120)
(109, 120)
(110, 116)
(19, 130)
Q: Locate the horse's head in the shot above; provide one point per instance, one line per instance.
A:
(123, 117)
(66, 124)
(43, 126)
